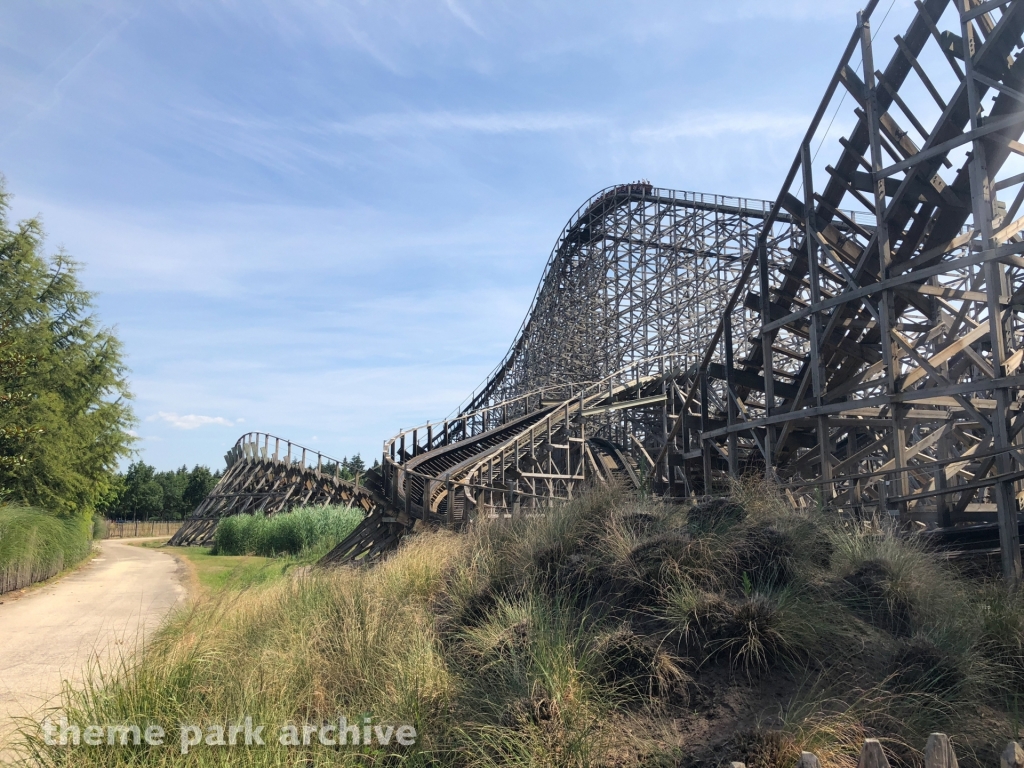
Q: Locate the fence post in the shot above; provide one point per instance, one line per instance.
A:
(1012, 757)
(938, 752)
(872, 756)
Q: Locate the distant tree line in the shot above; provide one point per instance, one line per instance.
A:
(142, 493)
(348, 467)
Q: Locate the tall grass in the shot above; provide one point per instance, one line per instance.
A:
(300, 531)
(611, 631)
(35, 545)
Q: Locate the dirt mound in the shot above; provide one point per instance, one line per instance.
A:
(768, 557)
(920, 665)
(868, 592)
(762, 748)
(637, 664)
(716, 513)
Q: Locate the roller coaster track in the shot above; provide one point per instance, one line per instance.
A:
(859, 340)
(266, 475)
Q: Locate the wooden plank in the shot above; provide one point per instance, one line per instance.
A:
(950, 350)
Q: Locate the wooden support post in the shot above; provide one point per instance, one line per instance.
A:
(983, 200)
(705, 444)
(730, 395)
(766, 354)
(816, 363)
(664, 429)
(938, 752)
(886, 304)
(450, 498)
(1012, 757)
(872, 756)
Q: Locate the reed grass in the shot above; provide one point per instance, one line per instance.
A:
(290, 533)
(36, 545)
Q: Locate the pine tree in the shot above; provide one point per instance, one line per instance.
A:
(64, 411)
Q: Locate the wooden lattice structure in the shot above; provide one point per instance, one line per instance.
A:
(859, 339)
(266, 475)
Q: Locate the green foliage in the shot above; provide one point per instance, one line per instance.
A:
(35, 545)
(64, 415)
(142, 493)
(348, 468)
(290, 533)
(197, 487)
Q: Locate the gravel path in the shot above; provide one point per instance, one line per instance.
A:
(102, 610)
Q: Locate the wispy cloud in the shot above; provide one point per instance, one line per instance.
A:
(70, 63)
(717, 124)
(460, 13)
(396, 123)
(192, 420)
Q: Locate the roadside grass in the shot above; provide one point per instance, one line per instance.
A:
(292, 533)
(215, 573)
(233, 572)
(611, 631)
(36, 545)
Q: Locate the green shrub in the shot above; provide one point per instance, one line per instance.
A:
(298, 531)
(35, 545)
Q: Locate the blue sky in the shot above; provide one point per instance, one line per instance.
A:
(326, 220)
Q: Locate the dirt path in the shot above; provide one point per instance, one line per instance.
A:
(52, 633)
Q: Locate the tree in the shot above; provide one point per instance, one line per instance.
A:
(173, 485)
(143, 495)
(200, 482)
(65, 416)
(354, 465)
(13, 433)
(347, 468)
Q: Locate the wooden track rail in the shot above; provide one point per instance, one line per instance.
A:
(858, 340)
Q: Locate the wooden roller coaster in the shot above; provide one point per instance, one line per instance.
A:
(859, 339)
(267, 475)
